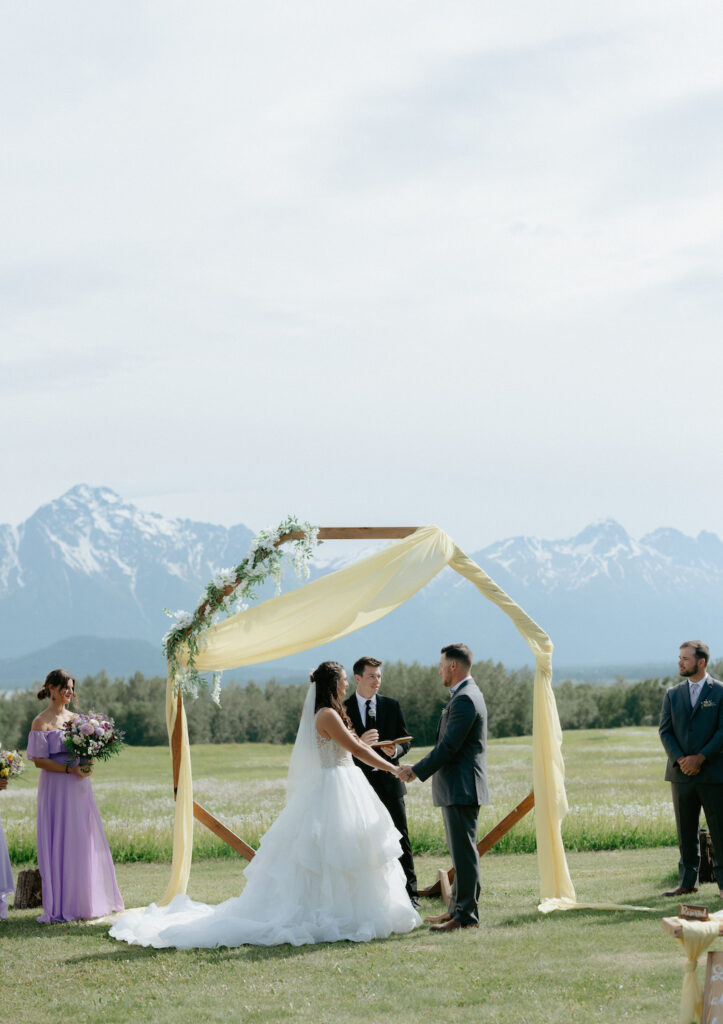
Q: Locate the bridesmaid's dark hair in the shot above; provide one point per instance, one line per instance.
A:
(57, 678)
(327, 677)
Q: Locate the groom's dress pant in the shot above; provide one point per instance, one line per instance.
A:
(460, 826)
(688, 798)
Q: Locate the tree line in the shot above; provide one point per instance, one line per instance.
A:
(270, 714)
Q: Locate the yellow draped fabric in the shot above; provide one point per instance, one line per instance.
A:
(696, 937)
(347, 600)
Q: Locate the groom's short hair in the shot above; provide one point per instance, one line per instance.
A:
(362, 663)
(459, 653)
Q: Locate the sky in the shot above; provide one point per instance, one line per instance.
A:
(367, 263)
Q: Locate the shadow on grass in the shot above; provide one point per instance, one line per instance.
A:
(122, 951)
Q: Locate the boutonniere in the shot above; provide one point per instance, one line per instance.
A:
(708, 704)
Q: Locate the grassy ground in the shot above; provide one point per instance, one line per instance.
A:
(521, 967)
(617, 795)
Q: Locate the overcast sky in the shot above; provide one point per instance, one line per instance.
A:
(371, 263)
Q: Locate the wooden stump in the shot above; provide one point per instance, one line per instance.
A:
(29, 890)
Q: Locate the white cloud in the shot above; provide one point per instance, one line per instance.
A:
(263, 258)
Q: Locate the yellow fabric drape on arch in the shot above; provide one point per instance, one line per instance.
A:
(696, 937)
(347, 600)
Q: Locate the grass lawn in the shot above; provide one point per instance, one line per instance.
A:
(615, 787)
(521, 966)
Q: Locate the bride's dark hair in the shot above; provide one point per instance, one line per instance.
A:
(327, 677)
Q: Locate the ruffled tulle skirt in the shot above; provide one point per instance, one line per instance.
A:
(326, 870)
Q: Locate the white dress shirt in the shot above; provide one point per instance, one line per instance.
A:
(362, 703)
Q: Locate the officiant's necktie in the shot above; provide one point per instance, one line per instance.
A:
(371, 718)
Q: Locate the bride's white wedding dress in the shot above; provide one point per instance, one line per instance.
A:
(327, 869)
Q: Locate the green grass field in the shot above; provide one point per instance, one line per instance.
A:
(615, 788)
(521, 967)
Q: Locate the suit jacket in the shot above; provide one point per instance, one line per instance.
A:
(390, 724)
(458, 761)
(699, 730)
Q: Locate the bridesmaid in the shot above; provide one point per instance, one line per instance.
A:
(6, 874)
(73, 856)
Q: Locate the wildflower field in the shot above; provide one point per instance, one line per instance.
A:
(616, 792)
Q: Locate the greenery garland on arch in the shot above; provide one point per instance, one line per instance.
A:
(226, 594)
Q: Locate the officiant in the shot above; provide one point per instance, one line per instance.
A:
(378, 718)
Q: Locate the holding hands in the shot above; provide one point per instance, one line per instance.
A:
(405, 772)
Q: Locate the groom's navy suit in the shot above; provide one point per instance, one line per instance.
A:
(688, 730)
(390, 790)
(459, 786)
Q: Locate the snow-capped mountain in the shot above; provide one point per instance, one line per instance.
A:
(604, 551)
(91, 565)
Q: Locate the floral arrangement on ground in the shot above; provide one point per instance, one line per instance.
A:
(227, 594)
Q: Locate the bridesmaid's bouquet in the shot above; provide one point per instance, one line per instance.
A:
(92, 737)
(11, 764)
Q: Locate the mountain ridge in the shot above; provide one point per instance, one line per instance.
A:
(91, 564)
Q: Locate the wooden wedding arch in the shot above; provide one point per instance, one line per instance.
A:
(205, 817)
(548, 770)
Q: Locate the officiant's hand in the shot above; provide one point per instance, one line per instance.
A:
(370, 736)
(390, 749)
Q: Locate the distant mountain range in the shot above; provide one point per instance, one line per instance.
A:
(83, 583)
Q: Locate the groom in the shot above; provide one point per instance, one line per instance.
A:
(459, 785)
(375, 717)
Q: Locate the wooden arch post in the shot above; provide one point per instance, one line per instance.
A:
(234, 841)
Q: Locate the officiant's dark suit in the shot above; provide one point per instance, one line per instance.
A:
(693, 739)
(459, 785)
(389, 724)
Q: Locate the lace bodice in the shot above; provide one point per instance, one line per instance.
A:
(331, 754)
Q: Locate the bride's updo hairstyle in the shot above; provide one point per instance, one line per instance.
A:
(57, 679)
(327, 677)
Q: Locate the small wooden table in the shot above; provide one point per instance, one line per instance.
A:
(673, 926)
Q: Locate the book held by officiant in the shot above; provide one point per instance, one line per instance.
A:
(388, 743)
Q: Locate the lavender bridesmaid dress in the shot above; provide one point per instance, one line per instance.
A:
(6, 876)
(73, 856)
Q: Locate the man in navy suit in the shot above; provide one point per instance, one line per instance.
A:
(375, 717)
(459, 785)
(691, 729)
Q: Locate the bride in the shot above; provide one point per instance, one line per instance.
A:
(328, 867)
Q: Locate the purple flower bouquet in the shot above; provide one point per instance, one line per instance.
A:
(92, 737)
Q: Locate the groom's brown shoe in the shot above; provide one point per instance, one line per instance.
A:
(680, 891)
(452, 926)
(439, 919)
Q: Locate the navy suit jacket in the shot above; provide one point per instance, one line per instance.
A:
(458, 761)
(699, 730)
(390, 724)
